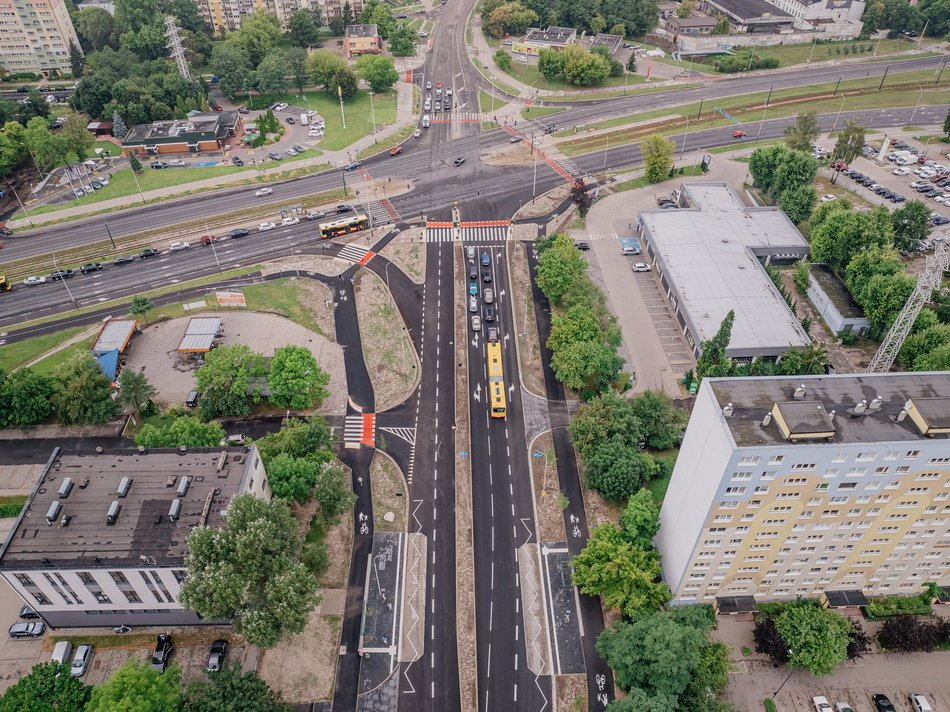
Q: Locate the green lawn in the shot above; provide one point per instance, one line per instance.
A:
(529, 74)
(659, 486)
(47, 366)
(388, 142)
(488, 103)
(21, 352)
(358, 112)
(789, 55)
(482, 68)
(533, 112)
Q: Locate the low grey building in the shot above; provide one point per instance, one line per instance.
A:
(710, 256)
(102, 539)
(834, 302)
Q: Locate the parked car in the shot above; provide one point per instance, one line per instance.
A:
(238, 232)
(263, 191)
(27, 613)
(178, 246)
(163, 651)
(641, 267)
(274, 156)
(265, 226)
(902, 171)
(290, 152)
(61, 274)
(123, 260)
(176, 163)
(298, 148)
(291, 120)
(289, 220)
(80, 663)
(158, 165)
(192, 399)
(33, 281)
(459, 161)
(148, 252)
(821, 704)
(882, 703)
(920, 703)
(315, 215)
(827, 198)
(236, 160)
(27, 630)
(843, 707)
(219, 649)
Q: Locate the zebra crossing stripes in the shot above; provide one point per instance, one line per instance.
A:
(468, 234)
(407, 434)
(359, 429)
(354, 253)
(569, 165)
(462, 117)
(390, 209)
(380, 213)
(364, 174)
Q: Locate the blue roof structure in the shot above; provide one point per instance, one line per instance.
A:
(109, 363)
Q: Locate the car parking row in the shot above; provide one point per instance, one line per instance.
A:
(873, 186)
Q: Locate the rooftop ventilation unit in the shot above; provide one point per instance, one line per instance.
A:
(175, 510)
(53, 512)
(183, 486)
(113, 514)
(66, 487)
(124, 485)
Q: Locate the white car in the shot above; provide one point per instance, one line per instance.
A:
(902, 171)
(317, 125)
(265, 226)
(316, 134)
(827, 198)
(177, 163)
(263, 191)
(417, 133)
(33, 281)
(290, 152)
(103, 179)
(843, 707)
(292, 220)
(280, 107)
(641, 267)
(178, 246)
(821, 704)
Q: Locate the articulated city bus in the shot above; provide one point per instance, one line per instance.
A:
(496, 380)
(344, 226)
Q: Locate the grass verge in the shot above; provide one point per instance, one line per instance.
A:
(533, 112)
(21, 352)
(388, 142)
(488, 104)
(529, 74)
(48, 365)
(642, 181)
(483, 70)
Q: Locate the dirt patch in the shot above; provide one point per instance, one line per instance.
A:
(513, 154)
(547, 493)
(302, 668)
(529, 349)
(544, 204)
(464, 548)
(318, 299)
(571, 692)
(390, 357)
(340, 544)
(389, 493)
(408, 252)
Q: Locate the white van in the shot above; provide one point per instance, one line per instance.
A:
(304, 119)
(920, 703)
(62, 652)
(906, 159)
(425, 121)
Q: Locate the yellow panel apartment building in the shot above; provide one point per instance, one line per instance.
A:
(798, 486)
(35, 36)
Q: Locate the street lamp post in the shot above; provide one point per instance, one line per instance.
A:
(372, 109)
(139, 187)
(22, 206)
(837, 116)
(683, 142)
(914, 112)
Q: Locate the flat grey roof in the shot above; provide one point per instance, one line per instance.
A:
(552, 35)
(751, 9)
(709, 253)
(115, 334)
(805, 417)
(143, 528)
(361, 31)
(200, 333)
(753, 398)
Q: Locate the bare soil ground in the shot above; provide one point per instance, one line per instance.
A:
(529, 350)
(318, 298)
(546, 490)
(302, 668)
(391, 359)
(545, 203)
(340, 543)
(512, 154)
(408, 252)
(389, 493)
(464, 551)
(571, 692)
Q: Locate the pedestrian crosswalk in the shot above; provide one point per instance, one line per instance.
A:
(568, 165)
(355, 253)
(359, 429)
(380, 214)
(496, 231)
(461, 117)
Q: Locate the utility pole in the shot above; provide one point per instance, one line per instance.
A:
(109, 233)
(372, 109)
(886, 70)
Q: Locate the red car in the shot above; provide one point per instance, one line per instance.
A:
(208, 239)
(839, 166)
(395, 151)
(739, 134)
(218, 108)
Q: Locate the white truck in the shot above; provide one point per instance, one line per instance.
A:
(304, 119)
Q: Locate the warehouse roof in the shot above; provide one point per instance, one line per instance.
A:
(114, 335)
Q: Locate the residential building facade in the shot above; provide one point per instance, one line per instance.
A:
(225, 15)
(803, 486)
(102, 540)
(35, 36)
(362, 39)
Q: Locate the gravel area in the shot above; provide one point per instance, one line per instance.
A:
(408, 252)
(302, 668)
(544, 203)
(154, 351)
(389, 493)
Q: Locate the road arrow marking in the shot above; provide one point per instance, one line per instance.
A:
(478, 393)
(507, 336)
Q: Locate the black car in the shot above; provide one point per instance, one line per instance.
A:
(236, 160)
(882, 703)
(163, 651)
(472, 272)
(933, 193)
(352, 166)
(91, 267)
(291, 120)
(5, 231)
(488, 312)
(924, 188)
(219, 649)
(158, 165)
(940, 220)
(27, 630)
(459, 161)
(61, 274)
(238, 232)
(148, 252)
(298, 148)
(27, 613)
(344, 208)
(486, 277)
(124, 260)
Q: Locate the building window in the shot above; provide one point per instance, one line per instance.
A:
(748, 460)
(131, 596)
(848, 485)
(839, 458)
(24, 580)
(831, 473)
(912, 454)
(804, 466)
(865, 457)
(735, 490)
(776, 459)
(40, 598)
(938, 460)
(857, 472)
(741, 476)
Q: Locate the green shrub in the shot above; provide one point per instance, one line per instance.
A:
(896, 606)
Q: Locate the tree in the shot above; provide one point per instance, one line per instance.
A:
(722, 25)
(710, 677)
(911, 224)
(378, 71)
(402, 41)
(305, 27)
(764, 164)
(96, 28)
(842, 234)
(946, 124)
(916, 350)
(606, 417)
(640, 519)
(310, 439)
(230, 64)
(884, 297)
(270, 77)
(35, 105)
(909, 634)
(511, 18)
(223, 380)
(661, 423)
(296, 59)
(903, 17)
(182, 431)
(712, 359)
(48, 149)
(657, 154)
(617, 470)
(135, 164)
(295, 379)
(230, 690)
(322, 65)
(850, 142)
(638, 700)
(291, 478)
(587, 365)
(618, 29)
(250, 570)
(24, 398)
(133, 15)
(559, 268)
(502, 59)
(337, 26)
(82, 392)
(625, 575)
(135, 391)
(382, 17)
(344, 83)
(580, 197)
(817, 638)
(797, 170)
(586, 68)
(347, 13)
(148, 43)
(259, 34)
(48, 686)
(76, 60)
(632, 64)
(334, 493)
(798, 202)
(140, 306)
(802, 134)
(769, 641)
(653, 652)
(550, 63)
(75, 135)
(936, 13)
(135, 686)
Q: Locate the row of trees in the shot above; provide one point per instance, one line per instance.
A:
(786, 175)
(584, 336)
(38, 143)
(898, 16)
(632, 17)
(135, 686)
(576, 65)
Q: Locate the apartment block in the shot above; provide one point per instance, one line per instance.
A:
(225, 15)
(102, 540)
(35, 36)
(802, 486)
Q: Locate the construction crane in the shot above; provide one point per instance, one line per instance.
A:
(937, 264)
(176, 47)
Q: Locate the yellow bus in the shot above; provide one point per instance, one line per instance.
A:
(496, 380)
(344, 226)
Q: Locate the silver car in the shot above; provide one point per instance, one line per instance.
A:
(81, 660)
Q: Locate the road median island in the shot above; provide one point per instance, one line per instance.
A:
(407, 251)
(529, 349)
(412, 625)
(547, 491)
(536, 642)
